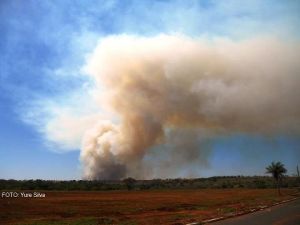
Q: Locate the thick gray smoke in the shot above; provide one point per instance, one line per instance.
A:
(155, 86)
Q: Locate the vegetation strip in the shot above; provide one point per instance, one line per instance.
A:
(218, 182)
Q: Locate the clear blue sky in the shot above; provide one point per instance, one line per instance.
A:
(43, 46)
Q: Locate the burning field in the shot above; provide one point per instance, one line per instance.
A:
(134, 207)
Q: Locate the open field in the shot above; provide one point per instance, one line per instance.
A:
(134, 207)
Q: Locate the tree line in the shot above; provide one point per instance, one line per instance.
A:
(132, 184)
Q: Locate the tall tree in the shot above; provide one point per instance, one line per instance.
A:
(277, 170)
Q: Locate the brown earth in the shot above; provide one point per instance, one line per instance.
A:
(136, 207)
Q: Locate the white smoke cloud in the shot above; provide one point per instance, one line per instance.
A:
(156, 102)
(63, 122)
(67, 130)
(153, 84)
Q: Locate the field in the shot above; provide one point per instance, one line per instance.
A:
(134, 207)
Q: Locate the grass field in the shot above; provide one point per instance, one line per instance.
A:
(133, 207)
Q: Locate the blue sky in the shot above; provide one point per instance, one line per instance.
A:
(44, 45)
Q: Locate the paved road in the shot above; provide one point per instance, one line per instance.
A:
(285, 214)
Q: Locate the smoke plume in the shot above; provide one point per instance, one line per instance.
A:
(176, 90)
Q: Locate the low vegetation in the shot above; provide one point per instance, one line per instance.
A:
(222, 182)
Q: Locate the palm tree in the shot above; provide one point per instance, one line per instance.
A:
(277, 170)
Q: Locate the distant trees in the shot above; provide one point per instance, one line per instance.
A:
(129, 182)
(277, 170)
(156, 184)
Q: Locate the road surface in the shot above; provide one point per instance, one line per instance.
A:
(284, 214)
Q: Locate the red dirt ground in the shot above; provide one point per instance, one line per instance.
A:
(136, 207)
